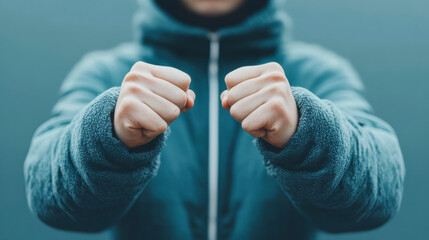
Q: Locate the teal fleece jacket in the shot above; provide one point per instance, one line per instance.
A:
(341, 171)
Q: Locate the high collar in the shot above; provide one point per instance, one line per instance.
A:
(178, 10)
(265, 29)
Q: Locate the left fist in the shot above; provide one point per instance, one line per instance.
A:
(260, 98)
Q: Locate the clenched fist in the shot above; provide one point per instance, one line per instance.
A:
(151, 98)
(261, 99)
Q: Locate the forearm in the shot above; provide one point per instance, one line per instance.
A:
(342, 174)
(79, 176)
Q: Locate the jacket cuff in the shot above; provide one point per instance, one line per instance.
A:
(97, 134)
(316, 123)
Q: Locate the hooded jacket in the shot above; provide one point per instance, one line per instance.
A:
(206, 178)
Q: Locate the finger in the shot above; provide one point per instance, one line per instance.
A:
(222, 95)
(169, 74)
(142, 124)
(172, 75)
(163, 107)
(190, 100)
(244, 73)
(136, 81)
(224, 100)
(254, 85)
(145, 118)
(225, 104)
(256, 122)
(243, 108)
(191, 94)
(142, 67)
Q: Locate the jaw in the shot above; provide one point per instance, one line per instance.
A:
(212, 8)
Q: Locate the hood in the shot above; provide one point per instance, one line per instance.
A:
(268, 28)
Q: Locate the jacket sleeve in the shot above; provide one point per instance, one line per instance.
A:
(78, 175)
(343, 168)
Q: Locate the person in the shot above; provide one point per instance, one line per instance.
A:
(272, 138)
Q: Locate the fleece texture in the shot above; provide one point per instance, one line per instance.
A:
(341, 171)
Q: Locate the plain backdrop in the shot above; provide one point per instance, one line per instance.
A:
(386, 40)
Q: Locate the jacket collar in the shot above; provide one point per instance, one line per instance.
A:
(264, 30)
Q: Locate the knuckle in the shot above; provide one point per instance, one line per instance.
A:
(186, 80)
(230, 96)
(276, 104)
(182, 79)
(246, 127)
(231, 77)
(273, 89)
(234, 111)
(183, 98)
(132, 76)
(275, 76)
(228, 79)
(275, 66)
(140, 65)
(133, 88)
(126, 105)
(175, 112)
(135, 76)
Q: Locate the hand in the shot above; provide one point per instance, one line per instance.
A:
(151, 98)
(260, 98)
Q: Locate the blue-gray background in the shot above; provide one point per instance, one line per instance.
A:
(387, 41)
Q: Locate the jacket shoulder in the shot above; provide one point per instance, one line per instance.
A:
(108, 65)
(307, 52)
(310, 64)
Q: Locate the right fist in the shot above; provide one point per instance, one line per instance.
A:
(151, 98)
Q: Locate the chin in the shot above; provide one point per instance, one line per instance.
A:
(214, 7)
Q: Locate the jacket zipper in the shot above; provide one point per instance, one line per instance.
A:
(213, 135)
